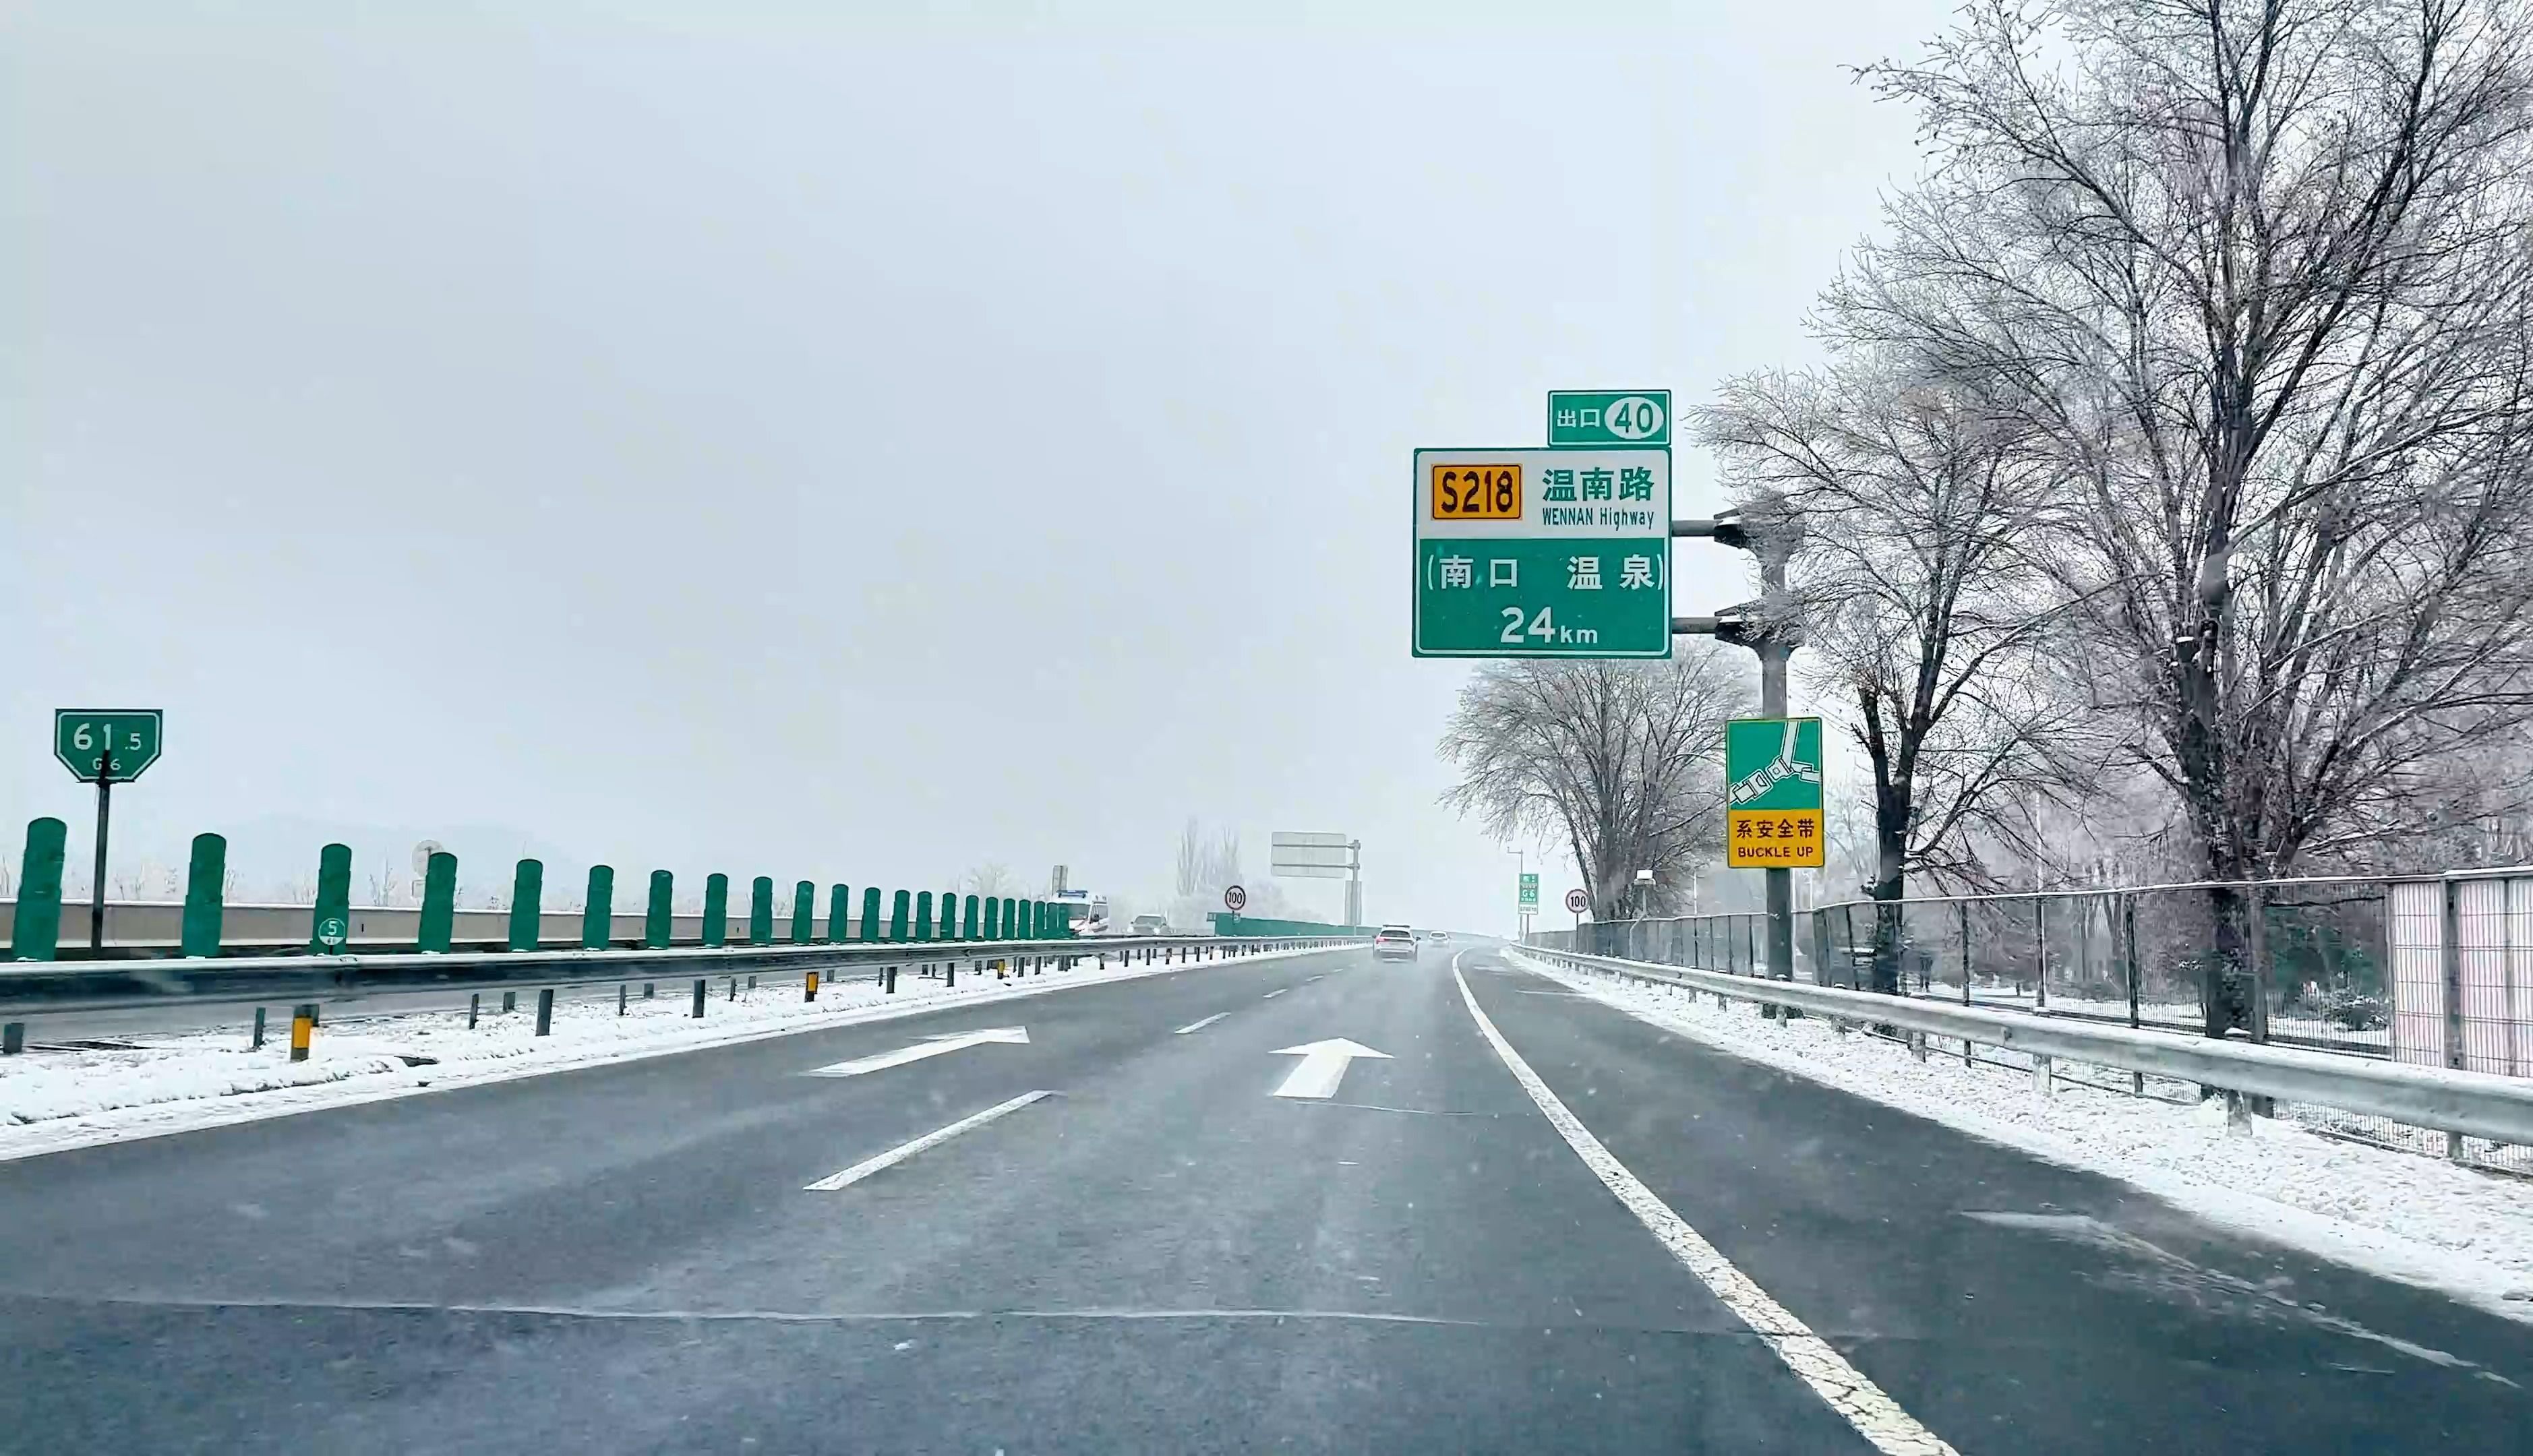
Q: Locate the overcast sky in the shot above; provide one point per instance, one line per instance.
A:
(765, 439)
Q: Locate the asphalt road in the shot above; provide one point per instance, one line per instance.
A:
(1164, 1255)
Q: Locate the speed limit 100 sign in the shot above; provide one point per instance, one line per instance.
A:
(1235, 899)
(1577, 902)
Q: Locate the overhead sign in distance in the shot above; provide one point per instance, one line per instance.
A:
(1309, 856)
(1773, 811)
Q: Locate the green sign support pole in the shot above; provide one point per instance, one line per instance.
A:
(333, 908)
(870, 913)
(528, 904)
(897, 908)
(439, 901)
(35, 932)
(760, 910)
(598, 915)
(203, 874)
(659, 922)
(716, 909)
(923, 915)
(97, 886)
(838, 901)
(804, 905)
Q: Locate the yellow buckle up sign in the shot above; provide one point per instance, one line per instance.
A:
(1773, 802)
(1774, 839)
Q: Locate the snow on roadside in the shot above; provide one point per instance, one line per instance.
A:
(2417, 1219)
(53, 1101)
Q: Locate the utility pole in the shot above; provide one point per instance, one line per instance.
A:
(1771, 629)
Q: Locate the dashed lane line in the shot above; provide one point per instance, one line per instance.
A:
(935, 1138)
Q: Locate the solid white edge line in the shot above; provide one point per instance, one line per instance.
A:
(1874, 1414)
(1201, 1026)
(935, 1138)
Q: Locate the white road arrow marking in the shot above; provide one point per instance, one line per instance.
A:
(1323, 1066)
(929, 1047)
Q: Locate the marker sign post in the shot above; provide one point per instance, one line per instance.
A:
(1541, 554)
(1772, 795)
(105, 746)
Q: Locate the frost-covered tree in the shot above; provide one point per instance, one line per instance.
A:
(1621, 761)
(1934, 631)
(2260, 275)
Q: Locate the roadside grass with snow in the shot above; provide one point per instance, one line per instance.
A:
(2421, 1220)
(50, 1101)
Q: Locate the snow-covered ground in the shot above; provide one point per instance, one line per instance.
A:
(56, 1100)
(2421, 1220)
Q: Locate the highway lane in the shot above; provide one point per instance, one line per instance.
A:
(2009, 1303)
(1163, 1254)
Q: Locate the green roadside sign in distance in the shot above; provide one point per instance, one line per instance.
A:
(85, 740)
(1530, 892)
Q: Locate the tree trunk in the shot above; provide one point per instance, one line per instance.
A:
(1890, 883)
(2225, 975)
(2224, 970)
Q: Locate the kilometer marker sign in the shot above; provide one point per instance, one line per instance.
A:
(1542, 553)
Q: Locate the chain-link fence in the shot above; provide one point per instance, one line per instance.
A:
(2433, 971)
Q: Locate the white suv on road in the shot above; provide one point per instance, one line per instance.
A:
(1394, 943)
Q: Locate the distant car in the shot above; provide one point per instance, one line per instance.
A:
(1437, 935)
(1394, 943)
(1149, 925)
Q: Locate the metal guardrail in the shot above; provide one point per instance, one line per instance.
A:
(52, 987)
(2467, 1103)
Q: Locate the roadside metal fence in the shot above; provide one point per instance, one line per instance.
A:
(2425, 970)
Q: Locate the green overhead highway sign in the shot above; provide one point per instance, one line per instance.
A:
(1610, 419)
(1534, 553)
(82, 737)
